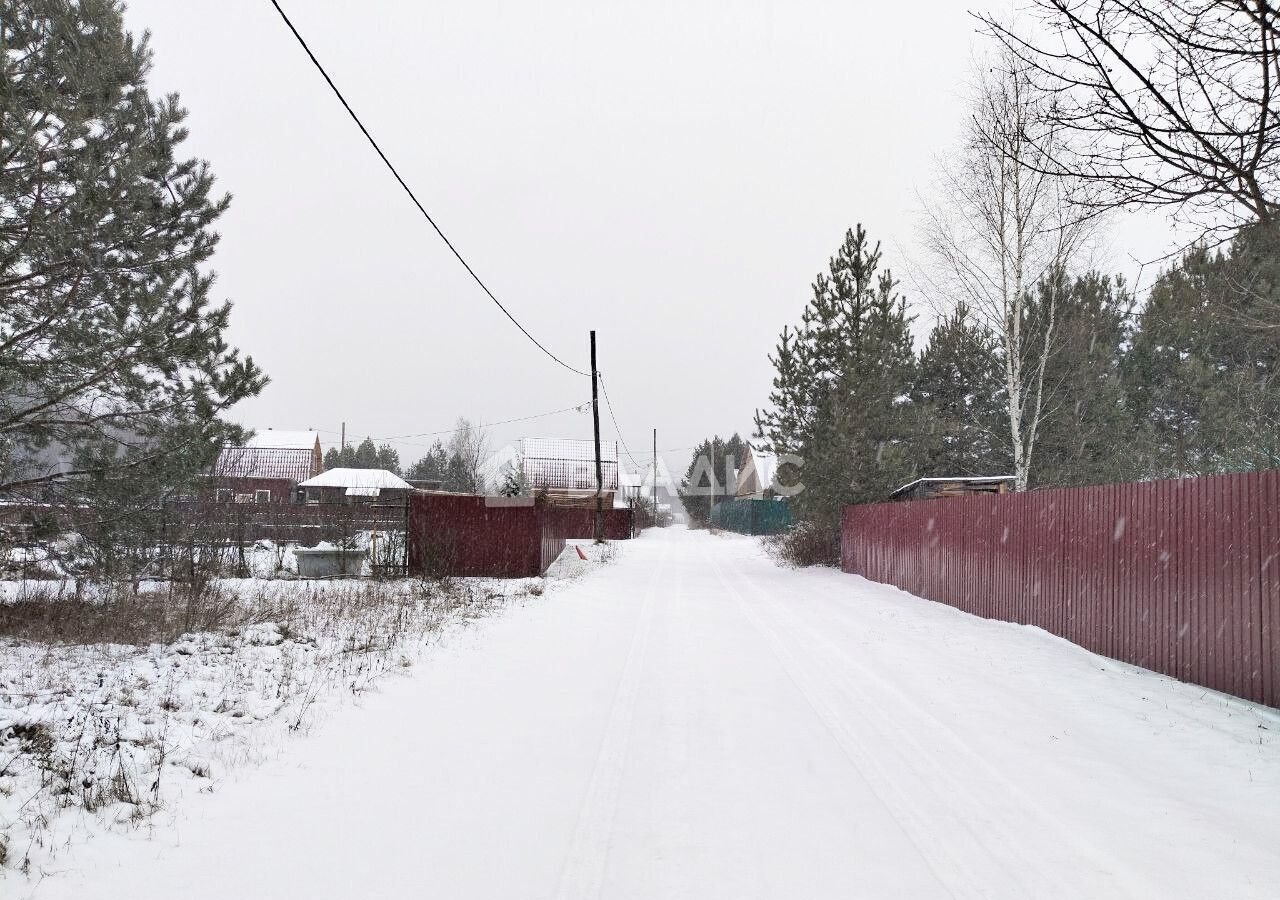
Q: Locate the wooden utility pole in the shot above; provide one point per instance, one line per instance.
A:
(654, 487)
(595, 421)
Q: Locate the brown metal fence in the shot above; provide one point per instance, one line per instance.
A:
(465, 534)
(1179, 576)
(462, 534)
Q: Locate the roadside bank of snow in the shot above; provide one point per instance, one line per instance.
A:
(106, 735)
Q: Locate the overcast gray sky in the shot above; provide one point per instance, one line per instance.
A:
(672, 174)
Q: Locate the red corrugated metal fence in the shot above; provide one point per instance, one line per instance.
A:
(1179, 576)
(579, 522)
(459, 534)
(462, 534)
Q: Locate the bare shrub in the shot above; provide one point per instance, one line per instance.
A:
(807, 544)
(642, 513)
(439, 557)
(387, 551)
(118, 615)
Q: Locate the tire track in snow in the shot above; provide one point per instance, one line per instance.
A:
(961, 858)
(896, 805)
(1132, 880)
(582, 875)
(992, 831)
(673, 739)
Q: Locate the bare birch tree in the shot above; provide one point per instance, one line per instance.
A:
(1001, 230)
(1174, 103)
(468, 450)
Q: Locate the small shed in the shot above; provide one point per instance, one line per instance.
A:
(953, 486)
(355, 486)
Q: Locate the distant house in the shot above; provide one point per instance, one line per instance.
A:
(355, 486)
(564, 470)
(631, 486)
(638, 485)
(756, 478)
(495, 470)
(268, 468)
(755, 507)
(955, 486)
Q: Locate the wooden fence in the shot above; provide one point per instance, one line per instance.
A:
(1179, 576)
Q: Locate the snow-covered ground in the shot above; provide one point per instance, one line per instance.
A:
(106, 736)
(694, 721)
(260, 560)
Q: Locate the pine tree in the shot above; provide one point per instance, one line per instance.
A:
(432, 466)
(363, 456)
(366, 455)
(1203, 374)
(841, 394)
(388, 459)
(340, 458)
(119, 511)
(1088, 434)
(513, 482)
(714, 462)
(961, 426)
(114, 351)
(457, 477)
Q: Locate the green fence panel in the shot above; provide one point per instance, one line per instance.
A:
(752, 516)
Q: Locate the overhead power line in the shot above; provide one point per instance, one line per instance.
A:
(662, 451)
(422, 209)
(555, 412)
(397, 437)
(616, 429)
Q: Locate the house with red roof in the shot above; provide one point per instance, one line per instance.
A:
(268, 468)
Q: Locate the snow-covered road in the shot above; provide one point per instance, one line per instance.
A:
(693, 721)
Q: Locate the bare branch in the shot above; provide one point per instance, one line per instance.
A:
(1174, 102)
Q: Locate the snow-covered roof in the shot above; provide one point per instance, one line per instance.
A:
(494, 469)
(758, 473)
(284, 440)
(637, 478)
(362, 492)
(378, 479)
